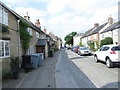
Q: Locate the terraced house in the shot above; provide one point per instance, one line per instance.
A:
(99, 32)
(11, 39)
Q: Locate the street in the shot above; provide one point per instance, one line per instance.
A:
(69, 70)
(83, 72)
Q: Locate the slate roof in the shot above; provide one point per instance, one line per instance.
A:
(97, 29)
(87, 33)
(112, 27)
(41, 42)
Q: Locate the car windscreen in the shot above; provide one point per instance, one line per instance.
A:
(116, 48)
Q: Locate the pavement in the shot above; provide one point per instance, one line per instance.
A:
(42, 77)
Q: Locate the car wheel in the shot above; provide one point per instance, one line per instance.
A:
(96, 59)
(109, 63)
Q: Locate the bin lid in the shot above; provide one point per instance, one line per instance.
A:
(34, 54)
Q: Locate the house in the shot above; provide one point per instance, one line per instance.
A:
(57, 41)
(85, 37)
(76, 39)
(8, 37)
(111, 31)
(94, 33)
(10, 44)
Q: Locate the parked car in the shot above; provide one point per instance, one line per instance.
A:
(76, 49)
(84, 51)
(73, 48)
(108, 54)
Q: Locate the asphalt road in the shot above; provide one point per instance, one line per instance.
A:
(74, 71)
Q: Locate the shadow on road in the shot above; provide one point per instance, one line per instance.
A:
(114, 65)
(112, 85)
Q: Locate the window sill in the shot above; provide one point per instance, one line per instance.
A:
(5, 57)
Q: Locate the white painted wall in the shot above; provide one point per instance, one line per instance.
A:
(76, 40)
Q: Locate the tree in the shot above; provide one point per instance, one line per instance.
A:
(69, 38)
(81, 42)
(91, 44)
(106, 41)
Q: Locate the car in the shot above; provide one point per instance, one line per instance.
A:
(108, 54)
(76, 49)
(73, 47)
(84, 51)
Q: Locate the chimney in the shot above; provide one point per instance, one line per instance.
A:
(45, 30)
(110, 20)
(27, 17)
(37, 23)
(96, 25)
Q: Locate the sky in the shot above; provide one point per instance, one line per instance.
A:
(65, 16)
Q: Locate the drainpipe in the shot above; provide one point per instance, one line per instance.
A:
(18, 21)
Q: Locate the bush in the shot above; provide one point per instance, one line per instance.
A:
(106, 41)
(14, 63)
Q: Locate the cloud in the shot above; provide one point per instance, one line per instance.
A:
(64, 16)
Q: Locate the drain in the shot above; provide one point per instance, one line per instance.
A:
(48, 85)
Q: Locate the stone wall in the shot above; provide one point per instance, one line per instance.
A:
(12, 36)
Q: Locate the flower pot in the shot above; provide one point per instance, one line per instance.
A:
(14, 74)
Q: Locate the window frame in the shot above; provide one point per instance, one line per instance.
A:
(29, 30)
(4, 15)
(37, 35)
(4, 48)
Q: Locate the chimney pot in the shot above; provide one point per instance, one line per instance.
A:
(45, 30)
(27, 17)
(110, 20)
(96, 24)
(37, 23)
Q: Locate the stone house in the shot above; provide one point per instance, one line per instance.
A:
(56, 40)
(10, 44)
(8, 37)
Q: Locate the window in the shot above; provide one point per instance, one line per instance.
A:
(31, 50)
(116, 48)
(29, 30)
(0, 15)
(102, 36)
(37, 35)
(4, 48)
(3, 16)
(104, 48)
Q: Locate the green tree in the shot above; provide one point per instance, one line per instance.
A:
(91, 44)
(106, 41)
(24, 35)
(69, 38)
(81, 42)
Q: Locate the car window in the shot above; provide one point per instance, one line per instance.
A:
(104, 48)
(116, 48)
(84, 48)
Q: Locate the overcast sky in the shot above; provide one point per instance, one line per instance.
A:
(64, 16)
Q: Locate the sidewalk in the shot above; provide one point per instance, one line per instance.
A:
(42, 77)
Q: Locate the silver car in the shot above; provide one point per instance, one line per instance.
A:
(84, 51)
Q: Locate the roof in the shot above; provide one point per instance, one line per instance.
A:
(20, 17)
(87, 33)
(41, 42)
(97, 29)
(112, 27)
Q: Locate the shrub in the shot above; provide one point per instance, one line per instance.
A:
(106, 41)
